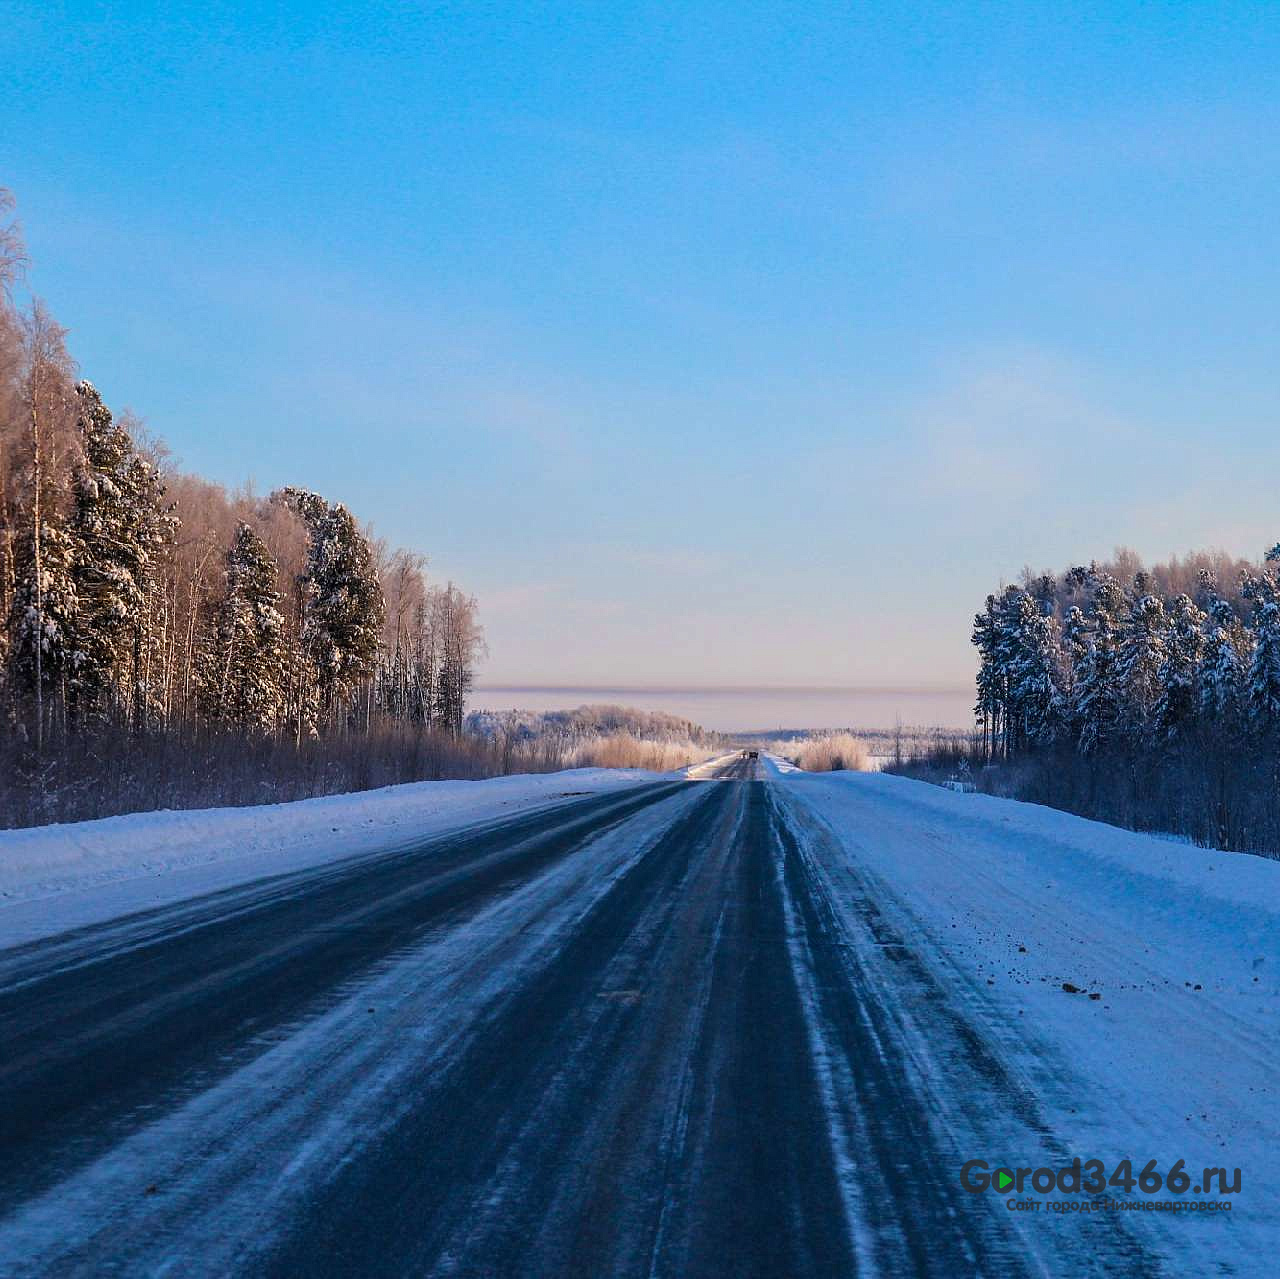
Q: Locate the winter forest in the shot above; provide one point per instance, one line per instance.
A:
(1145, 697)
(164, 642)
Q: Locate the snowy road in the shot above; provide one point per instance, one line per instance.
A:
(682, 1028)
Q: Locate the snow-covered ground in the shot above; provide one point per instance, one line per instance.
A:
(1170, 1048)
(53, 878)
(1050, 986)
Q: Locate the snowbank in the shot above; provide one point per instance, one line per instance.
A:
(65, 876)
(1133, 982)
(777, 766)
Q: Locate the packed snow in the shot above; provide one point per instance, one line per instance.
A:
(53, 878)
(1131, 983)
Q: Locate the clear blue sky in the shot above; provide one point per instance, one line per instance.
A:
(703, 342)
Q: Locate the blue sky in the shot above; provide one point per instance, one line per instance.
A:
(705, 343)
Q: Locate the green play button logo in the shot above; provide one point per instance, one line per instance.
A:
(1003, 1179)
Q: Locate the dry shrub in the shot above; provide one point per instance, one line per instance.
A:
(830, 753)
(111, 770)
(624, 750)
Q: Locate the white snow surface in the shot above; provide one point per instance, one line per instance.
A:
(1003, 902)
(1176, 1058)
(54, 878)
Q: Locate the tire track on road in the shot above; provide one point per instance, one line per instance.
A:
(908, 1078)
(645, 1104)
(101, 1045)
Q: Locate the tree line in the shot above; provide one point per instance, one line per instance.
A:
(137, 601)
(1147, 696)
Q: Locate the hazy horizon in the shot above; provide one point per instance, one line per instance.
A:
(740, 709)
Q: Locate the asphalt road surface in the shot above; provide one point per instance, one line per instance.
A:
(600, 1039)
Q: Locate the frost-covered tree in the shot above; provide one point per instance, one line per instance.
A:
(461, 640)
(1176, 708)
(44, 613)
(43, 645)
(344, 608)
(1109, 597)
(121, 527)
(1141, 659)
(243, 683)
(1034, 693)
(1169, 696)
(1221, 671)
(13, 252)
(346, 611)
(990, 679)
(1074, 647)
(1008, 641)
(406, 666)
(12, 435)
(1263, 680)
(111, 621)
(1099, 689)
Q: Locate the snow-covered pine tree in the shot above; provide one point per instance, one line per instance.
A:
(1206, 589)
(1221, 670)
(301, 679)
(243, 683)
(346, 612)
(344, 608)
(48, 618)
(1008, 653)
(1098, 704)
(1264, 669)
(109, 596)
(1074, 649)
(1075, 582)
(1143, 651)
(1176, 709)
(310, 507)
(1033, 680)
(121, 527)
(154, 527)
(989, 682)
(1109, 597)
(1043, 589)
(1263, 678)
(1099, 700)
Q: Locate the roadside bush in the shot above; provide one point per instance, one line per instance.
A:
(113, 770)
(831, 752)
(623, 750)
